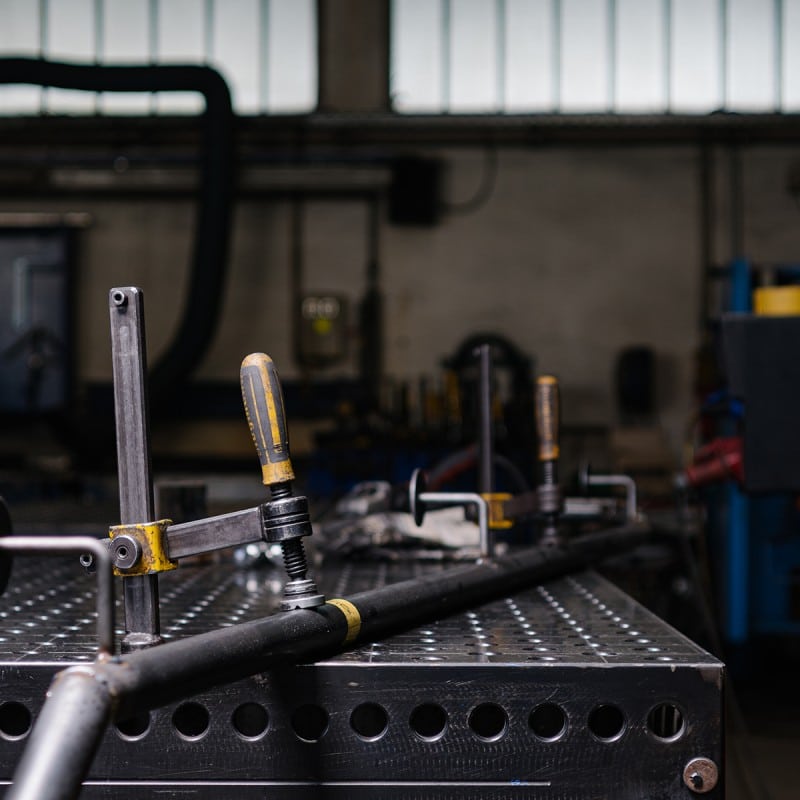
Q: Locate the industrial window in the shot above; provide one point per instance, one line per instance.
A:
(595, 56)
(266, 49)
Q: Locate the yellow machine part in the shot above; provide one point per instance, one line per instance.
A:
(777, 301)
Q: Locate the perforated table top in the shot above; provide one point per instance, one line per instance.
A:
(48, 615)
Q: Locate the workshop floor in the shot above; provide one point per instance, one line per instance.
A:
(770, 752)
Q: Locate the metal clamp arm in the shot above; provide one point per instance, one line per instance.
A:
(153, 547)
(215, 533)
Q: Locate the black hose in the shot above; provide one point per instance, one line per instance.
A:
(203, 305)
(460, 461)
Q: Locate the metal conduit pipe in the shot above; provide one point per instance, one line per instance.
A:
(215, 202)
(57, 758)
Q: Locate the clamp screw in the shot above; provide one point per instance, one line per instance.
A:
(125, 552)
(286, 520)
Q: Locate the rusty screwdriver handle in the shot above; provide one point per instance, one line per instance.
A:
(547, 402)
(263, 404)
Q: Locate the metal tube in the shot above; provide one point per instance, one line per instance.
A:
(157, 676)
(129, 361)
(102, 561)
(63, 742)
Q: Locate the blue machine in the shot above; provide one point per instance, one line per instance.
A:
(755, 536)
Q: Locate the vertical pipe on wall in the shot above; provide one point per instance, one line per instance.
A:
(737, 237)
(736, 583)
(706, 188)
(737, 573)
(371, 311)
(296, 267)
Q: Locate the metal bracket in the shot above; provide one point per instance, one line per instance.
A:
(419, 499)
(587, 479)
(140, 549)
(55, 545)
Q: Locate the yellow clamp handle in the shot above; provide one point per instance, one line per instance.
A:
(547, 402)
(263, 404)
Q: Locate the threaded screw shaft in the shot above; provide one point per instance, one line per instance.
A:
(294, 559)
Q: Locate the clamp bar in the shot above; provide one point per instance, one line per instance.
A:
(128, 355)
(215, 533)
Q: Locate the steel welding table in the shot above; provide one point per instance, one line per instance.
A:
(568, 690)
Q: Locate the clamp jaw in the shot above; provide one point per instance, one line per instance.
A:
(499, 510)
(140, 549)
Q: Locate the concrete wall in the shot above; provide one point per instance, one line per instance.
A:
(576, 254)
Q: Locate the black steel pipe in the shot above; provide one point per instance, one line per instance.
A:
(51, 769)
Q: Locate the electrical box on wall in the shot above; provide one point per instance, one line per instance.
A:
(321, 329)
(415, 193)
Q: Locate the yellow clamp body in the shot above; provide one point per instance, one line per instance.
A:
(151, 538)
(497, 505)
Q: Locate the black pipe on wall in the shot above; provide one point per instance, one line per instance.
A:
(203, 304)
